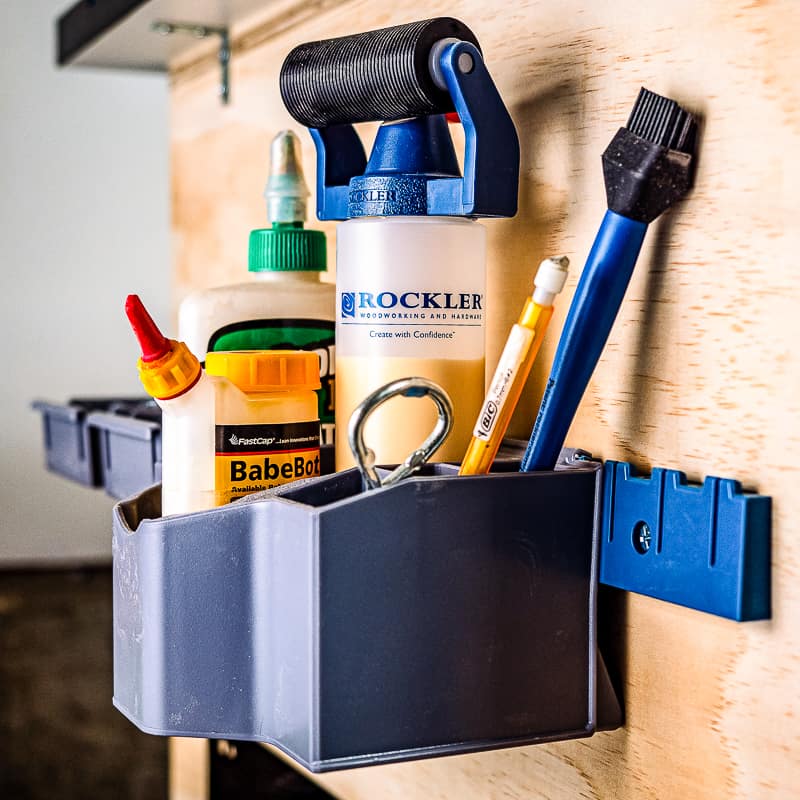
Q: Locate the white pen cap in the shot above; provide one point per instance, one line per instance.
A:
(550, 279)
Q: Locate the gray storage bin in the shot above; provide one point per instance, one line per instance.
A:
(129, 449)
(71, 448)
(441, 615)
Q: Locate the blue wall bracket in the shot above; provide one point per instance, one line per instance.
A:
(705, 547)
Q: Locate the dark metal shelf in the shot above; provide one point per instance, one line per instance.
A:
(118, 33)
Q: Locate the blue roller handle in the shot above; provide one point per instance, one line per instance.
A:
(594, 308)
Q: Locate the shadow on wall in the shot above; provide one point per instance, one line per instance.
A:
(654, 331)
(538, 229)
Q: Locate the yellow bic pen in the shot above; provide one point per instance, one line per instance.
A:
(514, 367)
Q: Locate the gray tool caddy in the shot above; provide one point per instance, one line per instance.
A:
(441, 615)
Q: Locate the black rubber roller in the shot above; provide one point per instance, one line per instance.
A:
(378, 75)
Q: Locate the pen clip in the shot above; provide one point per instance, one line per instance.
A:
(405, 387)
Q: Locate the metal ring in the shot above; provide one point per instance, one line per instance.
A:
(405, 387)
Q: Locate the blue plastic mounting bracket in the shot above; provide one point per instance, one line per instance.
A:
(705, 547)
(491, 149)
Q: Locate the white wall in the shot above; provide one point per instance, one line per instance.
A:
(84, 220)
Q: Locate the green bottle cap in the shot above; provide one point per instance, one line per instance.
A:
(287, 246)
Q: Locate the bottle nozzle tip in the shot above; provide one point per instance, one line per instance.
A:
(286, 190)
(133, 304)
(153, 343)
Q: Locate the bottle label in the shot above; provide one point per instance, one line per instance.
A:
(412, 321)
(289, 334)
(411, 288)
(251, 458)
(517, 345)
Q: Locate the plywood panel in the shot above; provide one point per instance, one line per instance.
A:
(701, 372)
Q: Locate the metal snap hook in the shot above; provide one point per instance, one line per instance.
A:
(405, 387)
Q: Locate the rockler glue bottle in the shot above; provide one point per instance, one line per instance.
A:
(412, 302)
(410, 257)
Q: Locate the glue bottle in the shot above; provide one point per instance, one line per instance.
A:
(266, 420)
(247, 423)
(286, 306)
(413, 303)
(410, 253)
(172, 375)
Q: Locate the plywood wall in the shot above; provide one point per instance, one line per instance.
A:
(701, 372)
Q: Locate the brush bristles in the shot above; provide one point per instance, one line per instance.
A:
(662, 121)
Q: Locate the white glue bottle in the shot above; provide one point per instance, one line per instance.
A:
(285, 306)
(412, 304)
(411, 293)
(174, 378)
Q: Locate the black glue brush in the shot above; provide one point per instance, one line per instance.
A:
(647, 168)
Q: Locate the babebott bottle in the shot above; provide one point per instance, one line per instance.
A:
(285, 306)
(249, 422)
(267, 425)
(411, 273)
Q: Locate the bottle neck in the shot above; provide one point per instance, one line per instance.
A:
(287, 276)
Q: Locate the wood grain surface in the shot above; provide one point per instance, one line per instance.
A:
(701, 372)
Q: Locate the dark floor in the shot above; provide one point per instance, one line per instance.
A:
(60, 737)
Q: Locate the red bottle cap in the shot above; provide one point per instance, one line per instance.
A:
(153, 343)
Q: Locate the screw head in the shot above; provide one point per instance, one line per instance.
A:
(642, 537)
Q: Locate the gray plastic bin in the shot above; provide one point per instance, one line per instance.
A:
(129, 449)
(441, 615)
(71, 447)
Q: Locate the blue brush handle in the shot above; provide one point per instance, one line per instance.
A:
(594, 308)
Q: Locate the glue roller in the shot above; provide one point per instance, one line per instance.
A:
(386, 75)
(413, 72)
(410, 253)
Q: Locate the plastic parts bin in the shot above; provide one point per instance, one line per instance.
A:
(71, 447)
